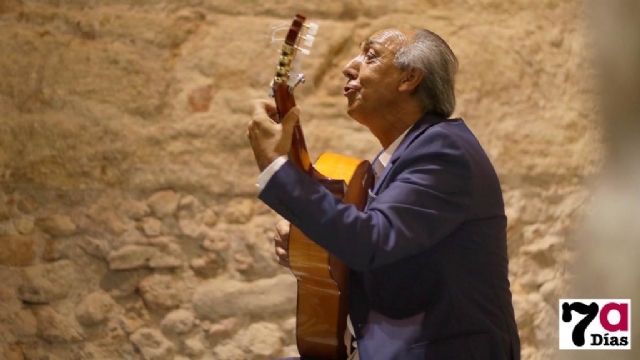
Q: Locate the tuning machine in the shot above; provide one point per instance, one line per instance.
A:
(300, 79)
(312, 28)
(309, 38)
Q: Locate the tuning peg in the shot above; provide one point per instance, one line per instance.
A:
(294, 81)
(313, 29)
(308, 40)
(304, 51)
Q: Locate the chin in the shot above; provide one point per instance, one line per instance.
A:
(352, 112)
(356, 115)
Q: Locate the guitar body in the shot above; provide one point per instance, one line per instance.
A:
(323, 280)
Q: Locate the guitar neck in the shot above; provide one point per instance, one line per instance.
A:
(298, 154)
(286, 79)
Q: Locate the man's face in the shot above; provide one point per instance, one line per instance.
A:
(373, 79)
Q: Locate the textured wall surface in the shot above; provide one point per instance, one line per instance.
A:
(129, 224)
(606, 263)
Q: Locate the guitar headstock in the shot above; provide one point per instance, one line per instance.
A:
(288, 70)
(288, 76)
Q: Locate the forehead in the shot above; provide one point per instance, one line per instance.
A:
(392, 39)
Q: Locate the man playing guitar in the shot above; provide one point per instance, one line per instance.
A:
(427, 255)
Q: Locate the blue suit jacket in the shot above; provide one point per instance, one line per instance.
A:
(429, 253)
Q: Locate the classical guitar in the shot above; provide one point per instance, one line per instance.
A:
(323, 286)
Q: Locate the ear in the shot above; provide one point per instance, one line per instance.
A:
(410, 80)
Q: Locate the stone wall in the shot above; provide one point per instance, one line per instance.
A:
(606, 265)
(129, 224)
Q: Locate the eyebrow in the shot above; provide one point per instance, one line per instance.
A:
(369, 42)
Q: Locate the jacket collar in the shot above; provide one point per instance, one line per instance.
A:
(419, 127)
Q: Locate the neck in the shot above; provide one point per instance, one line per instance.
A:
(389, 126)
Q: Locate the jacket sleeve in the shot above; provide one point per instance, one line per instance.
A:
(424, 203)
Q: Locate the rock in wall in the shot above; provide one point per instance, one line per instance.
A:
(129, 223)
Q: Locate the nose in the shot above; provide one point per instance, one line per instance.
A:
(352, 68)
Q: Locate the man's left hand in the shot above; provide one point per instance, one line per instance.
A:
(269, 139)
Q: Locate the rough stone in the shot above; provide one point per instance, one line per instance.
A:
(94, 247)
(94, 309)
(123, 283)
(189, 202)
(130, 237)
(243, 262)
(16, 250)
(51, 251)
(152, 344)
(130, 323)
(221, 237)
(102, 218)
(167, 244)
(91, 351)
(222, 330)
(161, 292)
(190, 227)
(57, 225)
(164, 203)
(27, 205)
(7, 228)
(6, 337)
(170, 226)
(551, 292)
(13, 352)
(150, 226)
(290, 351)
(23, 324)
(200, 98)
(24, 224)
(39, 354)
(262, 340)
(44, 283)
(135, 210)
(238, 211)
(131, 257)
(219, 299)
(193, 346)
(55, 327)
(11, 279)
(289, 330)
(5, 211)
(545, 244)
(209, 218)
(164, 261)
(523, 310)
(546, 318)
(228, 351)
(252, 253)
(114, 223)
(207, 266)
(178, 322)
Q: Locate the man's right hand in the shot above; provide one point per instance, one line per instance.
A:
(282, 243)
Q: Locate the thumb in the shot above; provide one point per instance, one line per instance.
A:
(291, 119)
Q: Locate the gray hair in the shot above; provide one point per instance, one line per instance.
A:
(429, 53)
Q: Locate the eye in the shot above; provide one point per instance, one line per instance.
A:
(370, 54)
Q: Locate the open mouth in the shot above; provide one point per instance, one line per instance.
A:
(348, 90)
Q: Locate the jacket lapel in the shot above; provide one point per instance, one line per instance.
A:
(425, 122)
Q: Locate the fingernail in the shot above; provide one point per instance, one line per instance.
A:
(296, 111)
